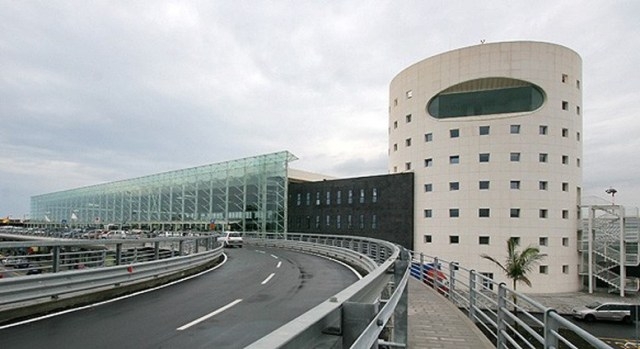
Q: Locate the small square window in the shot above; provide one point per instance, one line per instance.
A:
(565, 78)
(483, 185)
(543, 185)
(514, 213)
(454, 212)
(454, 133)
(454, 159)
(543, 241)
(578, 162)
(407, 142)
(515, 157)
(428, 137)
(483, 157)
(565, 214)
(565, 241)
(395, 147)
(515, 129)
(484, 130)
(483, 240)
(428, 187)
(428, 162)
(578, 84)
(427, 239)
(484, 212)
(407, 118)
(428, 213)
(395, 102)
(407, 166)
(565, 105)
(514, 184)
(515, 239)
(544, 269)
(395, 124)
(542, 157)
(454, 239)
(565, 269)
(487, 281)
(409, 94)
(578, 136)
(578, 109)
(565, 159)
(565, 186)
(543, 129)
(543, 213)
(565, 132)
(454, 185)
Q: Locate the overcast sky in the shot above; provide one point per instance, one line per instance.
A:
(97, 91)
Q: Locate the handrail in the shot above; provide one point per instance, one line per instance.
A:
(69, 267)
(492, 306)
(356, 316)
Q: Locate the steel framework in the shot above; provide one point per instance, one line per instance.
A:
(251, 193)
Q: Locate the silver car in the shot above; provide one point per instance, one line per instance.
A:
(603, 311)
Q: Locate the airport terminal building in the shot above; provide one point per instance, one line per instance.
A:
(485, 145)
(249, 193)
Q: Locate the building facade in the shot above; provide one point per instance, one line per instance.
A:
(248, 193)
(493, 134)
(379, 207)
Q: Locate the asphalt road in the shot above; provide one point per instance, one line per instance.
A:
(255, 292)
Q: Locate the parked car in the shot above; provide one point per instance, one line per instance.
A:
(15, 262)
(603, 311)
(431, 273)
(231, 239)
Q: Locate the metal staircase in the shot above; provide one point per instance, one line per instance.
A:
(609, 257)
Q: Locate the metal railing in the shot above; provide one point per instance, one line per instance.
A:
(507, 317)
(40, 270)
(368, 314)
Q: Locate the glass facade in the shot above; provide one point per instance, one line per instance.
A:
(486, 97)
(247, 194)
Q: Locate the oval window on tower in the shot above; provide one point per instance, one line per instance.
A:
(486, 96)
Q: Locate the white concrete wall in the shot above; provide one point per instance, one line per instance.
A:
(542, 64)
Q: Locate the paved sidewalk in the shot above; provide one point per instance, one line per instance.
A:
(434, 322)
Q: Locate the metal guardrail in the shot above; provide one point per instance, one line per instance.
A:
(70, 266)
(505, 316)
(370, 313)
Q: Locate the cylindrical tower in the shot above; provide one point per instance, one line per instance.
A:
(493, 133)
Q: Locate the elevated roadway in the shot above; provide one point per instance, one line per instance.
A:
(256, 291)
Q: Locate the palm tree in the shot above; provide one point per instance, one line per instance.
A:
(518, 263)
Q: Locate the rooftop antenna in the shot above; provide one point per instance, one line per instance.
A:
(613, 194)
(482, 41)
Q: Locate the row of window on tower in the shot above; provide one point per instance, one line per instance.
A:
(514, 212)
(486, 185)
(543, 241)
(486, 157)
(338, 222)
(326, 197)
(486, 130)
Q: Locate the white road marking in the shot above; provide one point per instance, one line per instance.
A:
(260, 251)
(268, 278)
(279, 264)
(274, 256)
(211, 314)
(114, 299)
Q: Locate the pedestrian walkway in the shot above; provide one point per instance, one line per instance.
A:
(434, 322)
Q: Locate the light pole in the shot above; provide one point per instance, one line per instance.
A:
(612, 192)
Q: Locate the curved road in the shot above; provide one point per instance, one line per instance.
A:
(256, 291)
